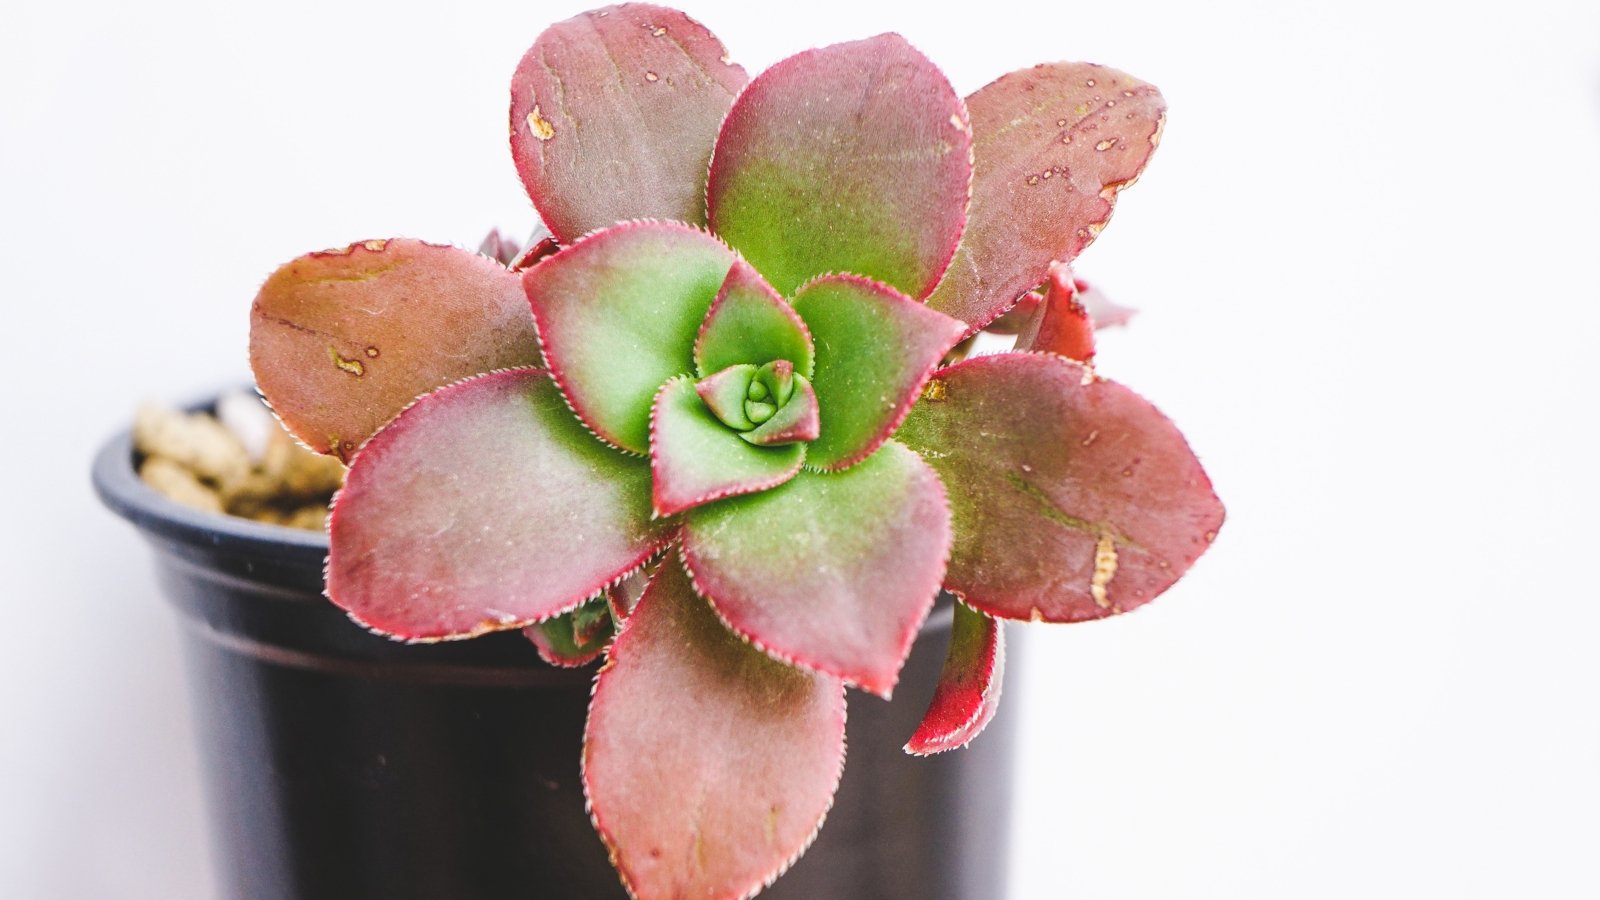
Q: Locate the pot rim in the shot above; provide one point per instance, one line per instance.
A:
(120, 488)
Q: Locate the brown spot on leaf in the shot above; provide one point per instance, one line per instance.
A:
(935, 391)
(539, 125)
(1105, 569)
(352, 366)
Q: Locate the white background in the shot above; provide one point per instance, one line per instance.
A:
(1366, 262)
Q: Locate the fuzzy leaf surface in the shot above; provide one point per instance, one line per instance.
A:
(1073, 498)
(708, 765)
(618, 313)
(969, 684)
(1060, 324)
(342, 340)
(750, 323)
(875, 349)
(696, 459)
(833, 571)
(485, 506)
(613, 116)
(850, 158)
(1052, 146)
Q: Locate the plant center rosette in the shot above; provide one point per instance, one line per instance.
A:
(723, 369)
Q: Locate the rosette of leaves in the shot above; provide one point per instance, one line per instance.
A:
(725, 365)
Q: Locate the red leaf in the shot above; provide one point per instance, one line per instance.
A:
(1052, 146)
(613, 115)
(1071, 497)
(342, 340)
(485, 506)
(1060, 325)
(708, 766)
(969, 686)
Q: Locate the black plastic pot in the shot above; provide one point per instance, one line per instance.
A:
(344, 766)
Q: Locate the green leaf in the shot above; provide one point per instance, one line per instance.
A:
(726, 392)
(1073, 498)
(1052, 145)
(832, 571)
(875, 349)
(697, 459)
(618, 313)
(342, 340)
(796, 421)
(750, 323)
(708, 766)
(485, 506)
(613, 115)
(851, 158)
(575, 638)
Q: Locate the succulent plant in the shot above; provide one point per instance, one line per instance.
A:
(720, 376)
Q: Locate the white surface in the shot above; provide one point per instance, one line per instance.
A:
(1365, 257)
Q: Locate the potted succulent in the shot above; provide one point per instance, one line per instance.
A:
(715, 429)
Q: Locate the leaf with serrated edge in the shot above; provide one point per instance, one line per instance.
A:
(1052, 146)
(832, 571)
(485, 506)
(613, 116)
(969, 685)
(750, 323)
(875, 348)
(575, 638)
(1072, 497)
(696, 459)
(797, 420)
(1060, 324)
(342, 340)
(708, 766)
(851, 158)
(618, 313)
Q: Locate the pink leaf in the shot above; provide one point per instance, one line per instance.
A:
(342, 340)
(613, 115)
(499, 248)
(697, 459)
(875, 349)
(1060, 324)
(851, 158)
(1103, 311)
(618, 313)
(1052, 146)
(485, 506)
(833, 571)
(708, 766)
(1072, 497)
(969, 686)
